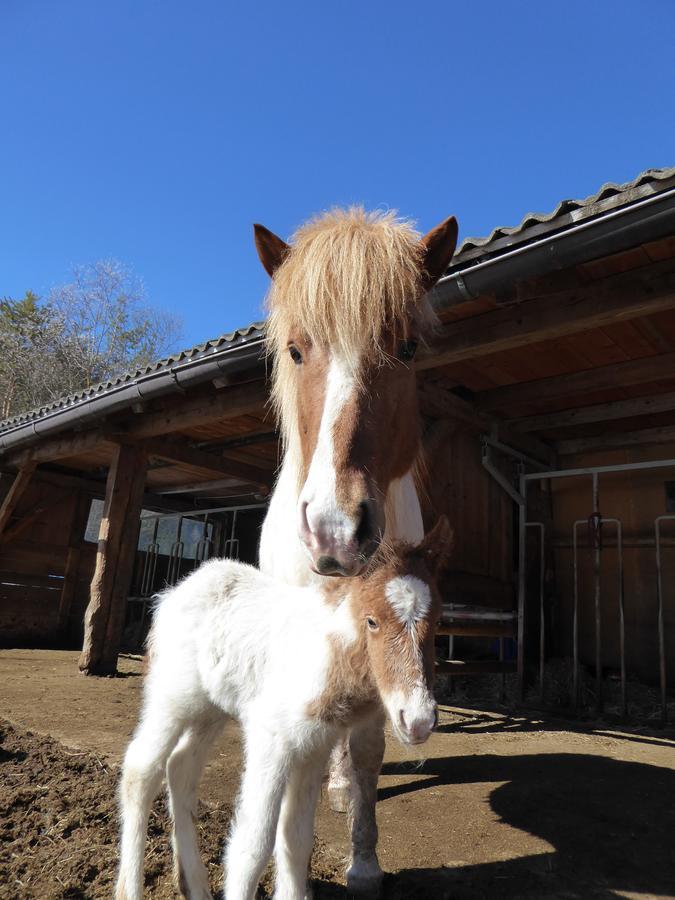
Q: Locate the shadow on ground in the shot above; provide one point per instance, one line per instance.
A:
(611, 824)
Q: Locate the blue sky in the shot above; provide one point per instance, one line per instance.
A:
(158, 132)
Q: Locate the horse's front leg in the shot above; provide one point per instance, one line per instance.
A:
(366, 747)
(252, 836)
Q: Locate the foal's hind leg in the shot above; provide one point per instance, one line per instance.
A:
(183, 772)
(366, 746)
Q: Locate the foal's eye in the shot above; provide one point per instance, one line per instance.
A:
(296, 355)
(372, 623)
(407, 350)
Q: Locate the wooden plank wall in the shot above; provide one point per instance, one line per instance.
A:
(33, 563)
(479, 511)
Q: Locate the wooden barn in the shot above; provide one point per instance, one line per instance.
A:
(549, 427)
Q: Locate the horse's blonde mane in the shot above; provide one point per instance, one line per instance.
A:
(350, 275)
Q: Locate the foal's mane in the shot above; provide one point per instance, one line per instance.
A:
(349, 276)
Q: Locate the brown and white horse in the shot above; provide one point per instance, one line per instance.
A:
(347, 310)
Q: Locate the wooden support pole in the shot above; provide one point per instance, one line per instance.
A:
(15, 493)
(118, 537)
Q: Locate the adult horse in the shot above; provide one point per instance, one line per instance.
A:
(347, 308)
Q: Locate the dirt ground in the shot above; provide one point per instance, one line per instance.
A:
(502, 806)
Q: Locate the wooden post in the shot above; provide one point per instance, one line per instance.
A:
(15, 493)
(117, 540)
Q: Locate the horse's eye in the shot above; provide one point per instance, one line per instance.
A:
(296, 355)
(372, 623)
(407, 350)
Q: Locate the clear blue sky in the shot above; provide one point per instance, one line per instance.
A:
(157, 132)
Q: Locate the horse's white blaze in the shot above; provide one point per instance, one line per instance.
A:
(409, 597)
(324, 515)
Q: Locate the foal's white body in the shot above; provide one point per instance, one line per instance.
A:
(229, 640)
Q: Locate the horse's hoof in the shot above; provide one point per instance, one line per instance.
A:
(364, 879)
(339, 797)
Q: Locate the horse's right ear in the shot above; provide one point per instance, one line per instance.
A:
(437, 545)
(271, 249)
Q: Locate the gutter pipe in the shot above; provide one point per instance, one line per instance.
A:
(640, 222)
(243, 357)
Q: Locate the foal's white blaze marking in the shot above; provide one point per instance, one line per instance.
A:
(409, 597)
(323, 512)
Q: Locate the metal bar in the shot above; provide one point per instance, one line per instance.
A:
(501, 480)
(511, 451)
(522, 555)
(622, 615)
(542, 635)
(596, 596)
(599, 470)
(175, 555)
(661, 623)
(200, 512)
(575, 620)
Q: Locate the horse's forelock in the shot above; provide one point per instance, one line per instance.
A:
(351, 277)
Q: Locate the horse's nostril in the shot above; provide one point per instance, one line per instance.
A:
(365, 529)
(402, 721)
(327, 565)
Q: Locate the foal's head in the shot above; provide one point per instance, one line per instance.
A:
(398, 605)
(347, 310)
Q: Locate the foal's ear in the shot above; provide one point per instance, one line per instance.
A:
(437, 545)
(271, 249)
(439, 245)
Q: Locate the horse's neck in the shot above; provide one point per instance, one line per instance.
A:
(282, 554)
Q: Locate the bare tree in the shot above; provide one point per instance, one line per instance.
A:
(87, 331)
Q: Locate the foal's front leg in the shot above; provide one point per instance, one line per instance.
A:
(252, 837)
(366, 747)
(295, 831)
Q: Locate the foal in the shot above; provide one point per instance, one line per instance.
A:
(298, 666)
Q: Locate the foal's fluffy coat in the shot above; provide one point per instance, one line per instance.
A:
(296, 666)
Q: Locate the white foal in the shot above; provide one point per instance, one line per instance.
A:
(298, 666)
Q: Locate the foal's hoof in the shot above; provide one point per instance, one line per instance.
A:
(339, 797)
(364, 879)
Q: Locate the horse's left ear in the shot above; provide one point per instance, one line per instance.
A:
(437, 545)
(439, 245)
(271, 249)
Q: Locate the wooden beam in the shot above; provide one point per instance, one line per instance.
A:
(118, 538)
(435, 402)
(602, 412)
(615, 299)
(662, 435)
(180, 452)
(543, 390)
(15, 493)
(195, 487)
(50, 449)
(240, 400)
(229, 403)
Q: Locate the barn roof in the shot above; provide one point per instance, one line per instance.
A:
(241, 349)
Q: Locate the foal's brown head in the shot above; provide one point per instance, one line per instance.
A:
(398, 605)
(347, 310)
